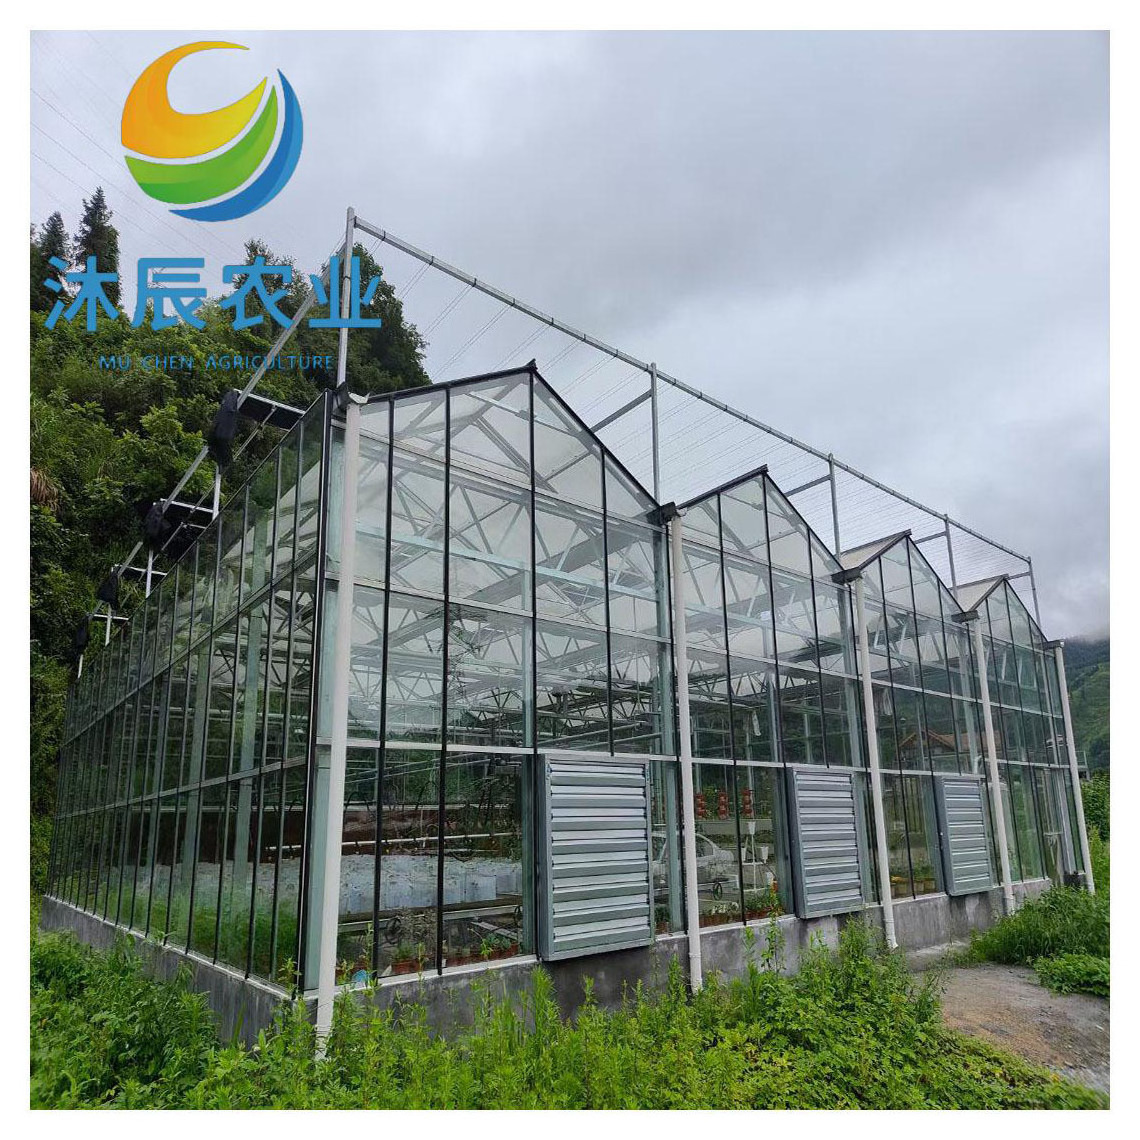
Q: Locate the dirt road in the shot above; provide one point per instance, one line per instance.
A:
(1008, 1007)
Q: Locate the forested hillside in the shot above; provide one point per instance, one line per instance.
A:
(105, 444)
(1086, 665)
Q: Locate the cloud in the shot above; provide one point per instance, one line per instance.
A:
(891, 245)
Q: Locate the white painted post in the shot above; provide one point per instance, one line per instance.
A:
(655, 437)
(1074, 770)
(872, 733)
(997, 809)
(342, 653)
(685, 754)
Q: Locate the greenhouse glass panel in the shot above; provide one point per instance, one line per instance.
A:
(487, 912)
(490, 551)
(490, 428)
(567, 459)
(718, 868)
(489, 701)
(743, 529)
(755, 733)
(409, 860)
(801, 717)
(570, 562)
(572, 676)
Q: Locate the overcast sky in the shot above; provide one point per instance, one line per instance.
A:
(894, 247)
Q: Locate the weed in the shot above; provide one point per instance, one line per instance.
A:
(851, 1029)
(1074, 974)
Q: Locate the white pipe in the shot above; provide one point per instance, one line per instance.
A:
(685, 753)
(1074, 770)
(872, 733)
(342, 654)
(996, 808)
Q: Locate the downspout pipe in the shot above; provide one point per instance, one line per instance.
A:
(873, 764)
(672, 516)
(1074, 769)
(338, 752)
(997, 811)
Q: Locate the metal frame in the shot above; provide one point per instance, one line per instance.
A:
(321, 940)
(655, 375)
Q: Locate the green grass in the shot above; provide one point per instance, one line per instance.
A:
(1074, 974)
(1063, 934)
(852, 1029)
(1064, 920)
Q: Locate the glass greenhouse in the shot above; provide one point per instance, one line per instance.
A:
(409, 702)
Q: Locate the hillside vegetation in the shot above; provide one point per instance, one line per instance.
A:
(1086, 666)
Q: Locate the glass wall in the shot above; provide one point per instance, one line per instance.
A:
(772, 684)
(184, 766)
(927, 706)
(510, 599)
(1029, 734)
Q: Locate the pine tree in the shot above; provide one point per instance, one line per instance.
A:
(52, 241)
(98, 238)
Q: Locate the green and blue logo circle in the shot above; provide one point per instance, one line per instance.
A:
(221, 164)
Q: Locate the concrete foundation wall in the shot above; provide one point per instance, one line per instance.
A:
(244, 1006)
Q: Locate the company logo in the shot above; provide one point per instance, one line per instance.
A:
(220, 164)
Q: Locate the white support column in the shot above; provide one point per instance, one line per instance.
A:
(834, 501)
(872, 733)
(329, 914)
(685, 753)
(217, 503)
(1074, 770)
(345, 286)
(655, 437)
(997, 809)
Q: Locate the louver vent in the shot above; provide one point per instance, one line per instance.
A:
(966, 847)
(594, 878)
(826, 820)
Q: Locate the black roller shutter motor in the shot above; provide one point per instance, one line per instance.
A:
(220, 438)
(156, 528)
(79, 639)
(109, 589)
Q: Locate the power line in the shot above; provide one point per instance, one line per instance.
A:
(114, 185)
(447, 309)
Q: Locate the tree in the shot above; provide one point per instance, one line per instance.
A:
(52, 241)
(99, 239)
(100, 443)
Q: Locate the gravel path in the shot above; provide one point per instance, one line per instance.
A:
(1008, 1007)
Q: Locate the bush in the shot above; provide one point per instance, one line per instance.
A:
(1064, 920)
(102, 1031)
(1098, 855)
(852, 1029)
(1095, 795)
(1074, 974)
